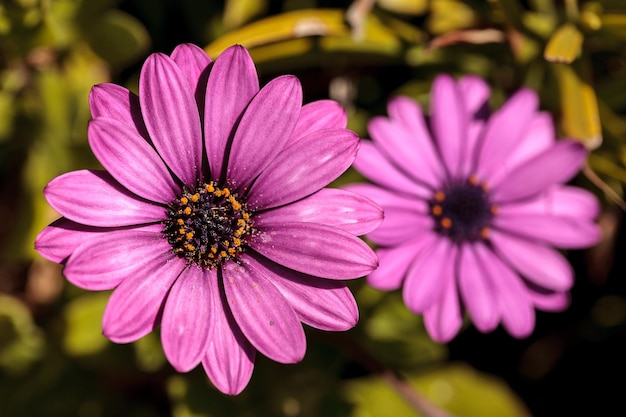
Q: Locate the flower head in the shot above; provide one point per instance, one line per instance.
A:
(210, 218)
(475, 205)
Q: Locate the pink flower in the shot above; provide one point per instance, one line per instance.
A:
(211, 219)
(474, 205)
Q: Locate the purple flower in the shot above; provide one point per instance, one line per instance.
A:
(211, 219)
(474, 206)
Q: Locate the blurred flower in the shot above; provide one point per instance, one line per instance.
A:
(211, 218)
(474, 205)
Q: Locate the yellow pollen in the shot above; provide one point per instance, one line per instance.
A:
(241, 222)
(195, 197)
(213, 249)
(223, 254)
(181, 231)
(494, 209)
(209, 188)
(226, 243)
(236, 241)
(190, 247)
(484, 233)
(245, 216)
(189, 235)
(180, 222)
(187, 211)
(238, 232)
(231, 251)
(184, 200)
(446, 223)
(437, 210)
(440, 196)
(473, 179)
(218, 193)
(225, 192)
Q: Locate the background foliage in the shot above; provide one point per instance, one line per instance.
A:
(54, 360)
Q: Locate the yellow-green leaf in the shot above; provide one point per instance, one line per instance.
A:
(83, 316)
(412, 7)
(581, 120)
(564, 45)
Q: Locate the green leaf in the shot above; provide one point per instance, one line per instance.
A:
(83, 316)
(459, 389)
(21, 341)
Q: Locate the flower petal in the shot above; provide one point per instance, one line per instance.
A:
(116, 102)
(345, 210)
(556, 165)
(318, 115)
(538, 263)
(105, 260)
(475, 92)
(557, 301)
(194, 63)
(320, 303)
(449, 122)
(427, 275)
(229, 359)
(315, 249)
(516, 308)
(476, 286)
(232, 83)
(187, 321)
(399, 225)
(60, 239)
(560, 201)
(262, 313)
(444, 319)
(395, 261)
(171, 115)
(376, 167)
(133, 309)
(504, 131)
(94, 198)
(131, 160)
(407, 149)
(265, 127)
(562, 232)
(304, 168)
(388, 198)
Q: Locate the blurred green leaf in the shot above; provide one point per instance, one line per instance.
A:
(449, 15)
(83, 318)
(581, 120)
(118, 37)
(411, 7)
(21, 341)
(238, 12)
(565, 45)
(456, 388)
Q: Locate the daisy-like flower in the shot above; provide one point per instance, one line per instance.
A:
(210, 218)
(475, 205)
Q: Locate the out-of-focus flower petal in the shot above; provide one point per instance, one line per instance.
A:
(106, 203)
(444, 319)
(318, 115)
(476, 286)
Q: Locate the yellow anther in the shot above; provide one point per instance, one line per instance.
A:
(238, 232)
(236, 241)
(184, 200)
(437, 210)
(245, 216)
(190, 247)
(218, 193)
(187, 211)
(231, 251)
(209, 188)
(180, 222)
(213, 249)
(226, 243)
(241, 222)
(195, 197)
(189, 235)
(223, 254)
(440, 196)
(181, 231)
(446, 223)
(225, 192)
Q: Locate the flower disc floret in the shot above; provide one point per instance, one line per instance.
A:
(208, 226)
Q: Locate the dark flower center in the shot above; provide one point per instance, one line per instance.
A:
(462, 210)
(208, 226)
